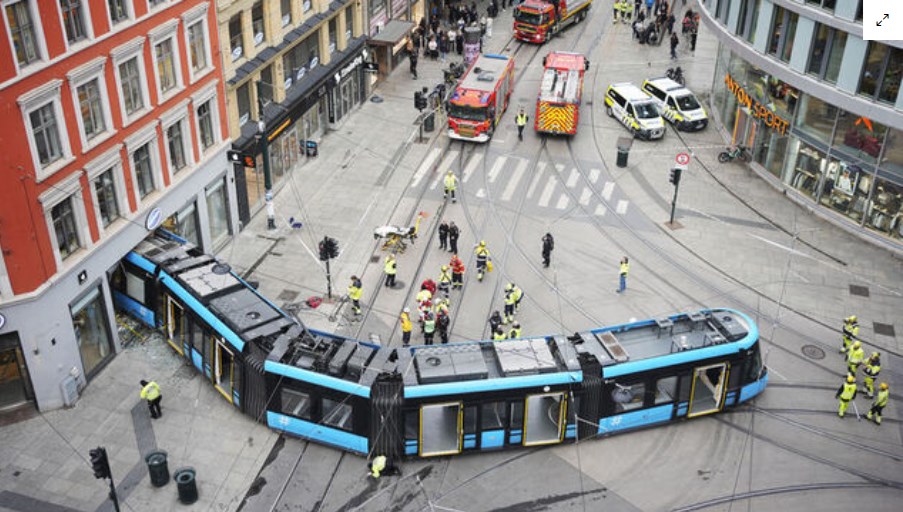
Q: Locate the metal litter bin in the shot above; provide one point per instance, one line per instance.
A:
(624, 144)
(311, 148)
(157, 467)
(188, 489)
(429, 122)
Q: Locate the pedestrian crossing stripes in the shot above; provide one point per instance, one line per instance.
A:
(425, 166)
(496, 167)
(572, 179)
(547, 192)
(622, 207)
(563, 202)
(585, 196)
(515, 179)
(444, 166)
(594, 175)
(608, 189)
(472, 165)
(540, 168)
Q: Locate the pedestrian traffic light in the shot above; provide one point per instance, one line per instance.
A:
(419, 100)
(100, 463)
(328, 248)
(675, 175)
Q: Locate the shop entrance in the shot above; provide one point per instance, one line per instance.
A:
(15, 385)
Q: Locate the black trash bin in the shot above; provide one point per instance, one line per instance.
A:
(624, 144)
(429, 122)
(311, 148)
(188, 489)
(157, 467)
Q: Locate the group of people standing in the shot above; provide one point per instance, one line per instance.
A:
(855, 358)
(650, 19)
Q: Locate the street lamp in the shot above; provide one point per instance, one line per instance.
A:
(264, 142)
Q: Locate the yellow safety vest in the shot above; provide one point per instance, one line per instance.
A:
(451, 182)
(482, 253)
(851, 330)
(849, 391)
(151, 391)
(881, 398)
(872, 370)
(856, 356)
(624, 268)
(429, 326)
(424, 295)
(406, 324)
(513, 334)
(391, 266)
(521, 119)
(498, 337)
(509, 299)
(354, 292)
(444, 276)
(378, 465)
(517, 293)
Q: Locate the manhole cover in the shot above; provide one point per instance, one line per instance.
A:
(884, 329)
(813, 352)
(376, 99)
(860, 291)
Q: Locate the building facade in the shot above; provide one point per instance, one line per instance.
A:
(819, 106)
(117, 124)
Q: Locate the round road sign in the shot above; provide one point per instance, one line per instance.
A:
(683, 158)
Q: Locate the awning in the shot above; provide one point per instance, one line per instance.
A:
(394, 32)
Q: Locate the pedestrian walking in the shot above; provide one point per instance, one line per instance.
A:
(694, 32)
(453, 234)
(849, 333)
(443, 46)
(412, 56)
(671, 21)
(495, 321)
(457, 268)
(855, 357)
(406, 327)
(429, 328)
(445, 279)
(482, 253)
(879, 404)
(508, 315)
(150, 391)
(871, 371)
(846, 393)
(451, 184)
(548, 243)
(355, 291)
(390, 268)
(443, 235)
(674, 42)
(514, 332)
(521, 121)
(622, 272)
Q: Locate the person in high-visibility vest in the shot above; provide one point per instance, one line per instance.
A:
(354, 293)
(518, 295)
(406, 327)
(377, 465)
(879, 404)
(855, 357)
(390, 268)
(482, 253)
(457, 268)
(850, 332)
(521, 120)
(514, 332)
(846, 393)
(429, 328)
(508, 315)
(498, 335)
(150, 391)
(445, 279)
(871, 371)
(451, 184)
(622, 273)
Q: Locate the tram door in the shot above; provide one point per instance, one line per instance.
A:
(223, 369)
(176, 329)
(544, 419)
(441, 429)
(707, 392)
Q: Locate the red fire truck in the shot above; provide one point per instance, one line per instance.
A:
(480, 98)
(536, 21)
(558, 105)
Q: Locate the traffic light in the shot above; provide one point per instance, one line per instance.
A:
(675, 175)
(328, 248)
(100, 463)
(250, 162)
(419, 100)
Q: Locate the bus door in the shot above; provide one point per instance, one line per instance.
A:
(544, 418)
(225, 373)
(176, 329)
(441, 429)
(707, 392)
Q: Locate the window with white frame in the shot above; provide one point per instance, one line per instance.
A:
(134, 98)
(177, 137)
(64, 213)
(166, 58)
(119, 11)
(197, 47)
(89, 94)
(23, 31)
(175, 143)
(286, 12)
(206, 127)
(64, 227)
(243, 100)
(156, 3)
(43, 116)
(236, 38)
(107, 187)
(75, 20)
(257, 24)
(142, 163)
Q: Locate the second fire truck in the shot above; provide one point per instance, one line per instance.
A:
(558, 105)
(536, 21)
(480, 98)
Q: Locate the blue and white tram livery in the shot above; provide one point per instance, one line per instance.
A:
(427, 401)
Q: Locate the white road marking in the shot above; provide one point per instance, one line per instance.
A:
(540, 167)
(622, 207)
(594, 175)
(481, 193)
(496, 167)
(572, 179)
(600, 210)
(784, 247)
(472, 165)
(547, 192)
(425, 166)
(585, 196)
(608, 189)
(515, 179)
(562, 202)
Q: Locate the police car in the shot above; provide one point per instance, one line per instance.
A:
(635, 109)
(677, 104)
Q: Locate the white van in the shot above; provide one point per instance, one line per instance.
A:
(677, 104)
(635, 109)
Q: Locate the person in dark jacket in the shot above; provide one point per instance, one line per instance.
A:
(443, 235)
(453, 234)
(548, 243)
(674, 42)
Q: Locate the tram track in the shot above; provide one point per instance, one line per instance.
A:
(775, 491)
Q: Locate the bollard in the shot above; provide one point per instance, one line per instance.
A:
(157, 467)
(624, 144)
(188, 489)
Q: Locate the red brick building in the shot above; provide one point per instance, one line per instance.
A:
(114, 120)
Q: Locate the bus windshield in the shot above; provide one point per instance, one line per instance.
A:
(646, 110)
(687, 102)
(530, 18)
(467, 113)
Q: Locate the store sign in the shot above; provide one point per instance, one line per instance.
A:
(153, 219)
(759, 111)
(348, 69)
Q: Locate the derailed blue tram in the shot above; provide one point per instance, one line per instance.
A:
(435, 400)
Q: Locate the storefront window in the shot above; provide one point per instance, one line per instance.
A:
(873, 68)
(816, 118)
(859, 136)
(809, 166)
(218, 213)
(790, 33)
(885, 211)
(89, 320)
(15, 386)
(846, 188)
(892, 161)
(890, 83)
(835, 55)
(184, 224)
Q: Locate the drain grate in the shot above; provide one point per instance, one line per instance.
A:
(813, 352)
(884, 329)
(287, 295)
(374, 259)
(861, 291)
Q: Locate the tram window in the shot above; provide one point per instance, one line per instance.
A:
(131, 283)
(411, 424)
(517, 415)
(197, 334)
(470, 419)
(628, 397)
(493, 416)
(296, 403)
(665, 390)
(686, 384)
(753, 365)
(337, 414)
